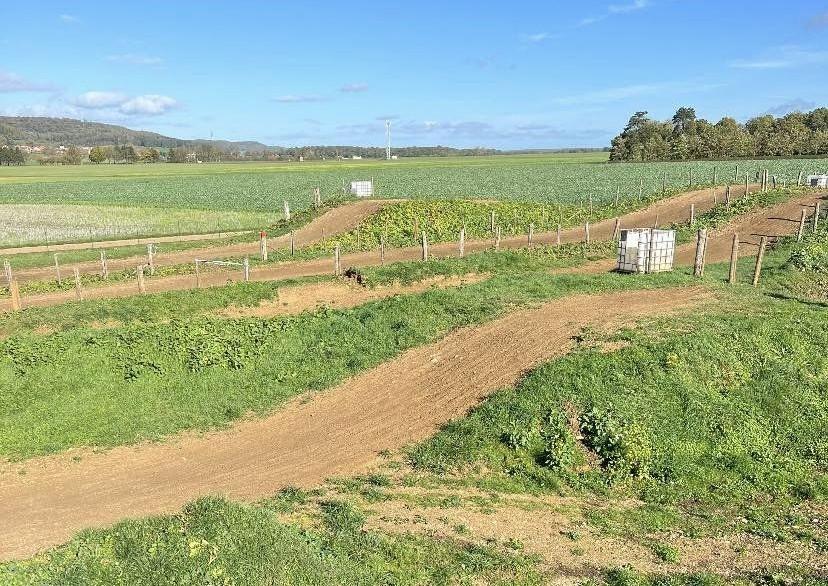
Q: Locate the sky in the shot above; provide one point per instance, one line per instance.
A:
(460, 73)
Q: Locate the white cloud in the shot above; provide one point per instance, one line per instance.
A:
(795, 105)
(148, 105)
(11, 82)
(298, 99)
(537, 37)
(615, 94)
(69, 19)
(785, 57)
(135, 59)
(97, 100)
(614, 9)
(352, 88)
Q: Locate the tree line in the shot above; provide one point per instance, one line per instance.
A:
(687, 137)
(11, 156)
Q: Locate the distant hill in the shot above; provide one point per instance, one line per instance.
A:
(22, 130)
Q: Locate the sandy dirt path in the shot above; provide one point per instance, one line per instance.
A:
(665, 212)
(335, 221)
(338, 431)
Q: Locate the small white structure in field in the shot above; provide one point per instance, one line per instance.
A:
(646, 250)
(362, 188)
(817, 181)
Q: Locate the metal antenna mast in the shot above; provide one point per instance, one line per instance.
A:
(387, 140)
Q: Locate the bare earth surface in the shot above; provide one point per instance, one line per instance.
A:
(775, 221)
(44, 501)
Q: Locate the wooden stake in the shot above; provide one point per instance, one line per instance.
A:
(462, 244)
(263, 245)
(150, 257)
(142, 286)
(57, 270)
(104, 266)
(198, 274)
(727, 195)
(78, 286)
(664, 184)
(734, 259)
(425, 246)
(382, 249)
(14, 290)
(736, 174)
(617, 195)
(801, 232)
(757, 271)
(337, 264)
(497, 238)
(529, 236)
(692, 215)
(747, 185)
(640, 189)
(701, 244)
(816, 216)
(616, 231)
(246, 269)
(799, 179)
(558, 239)
(287, 211)
(586, 232)
(292, 243)
(317, 197)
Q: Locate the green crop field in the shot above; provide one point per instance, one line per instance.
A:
(261, 188)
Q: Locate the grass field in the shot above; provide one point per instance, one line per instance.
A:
(261, 188)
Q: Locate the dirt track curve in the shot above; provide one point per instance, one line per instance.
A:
(338, 431)
(335, 221)
(773, 222)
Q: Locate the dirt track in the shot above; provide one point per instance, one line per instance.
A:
(336, 221)
(339, 431)
(776, 221)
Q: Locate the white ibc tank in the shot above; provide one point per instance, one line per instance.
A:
(817, 181)
(646, 250)
(362, 188)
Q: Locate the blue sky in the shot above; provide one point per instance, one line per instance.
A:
(506, 74)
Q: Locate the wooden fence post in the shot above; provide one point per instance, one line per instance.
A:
(287, 211)
(462, 242)
(747, 185)
(799, 179)
(497, 238)
(57, 270)
(425, 245)
(382, 249)
(692, 215)
(198, 274)
(151, 257)
(142, 285)
(736, 174)
(617, 195)
(701, 245)
(317, 197)
(816, 216)
(14, 290)
(616, 231)
(558, 238)
(590, 202)
(586, 232)
(529, 236)
(727, 195)
(757, 271)
(246, 269)
(263, 245)
(78, 286)
(734, 259)
(801, 232)
(292, 243)
(104, 266)
(337, 265)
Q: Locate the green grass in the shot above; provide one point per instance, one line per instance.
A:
(87, 387)
(215, 542)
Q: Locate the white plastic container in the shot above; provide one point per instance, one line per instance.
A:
(646, 250)
(817, 181)
(362, 188)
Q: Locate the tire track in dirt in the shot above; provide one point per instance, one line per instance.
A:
(675, 209)
(338, 431)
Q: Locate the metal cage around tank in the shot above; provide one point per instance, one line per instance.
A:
(646, 250)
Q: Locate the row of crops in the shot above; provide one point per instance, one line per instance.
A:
(514, 179)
